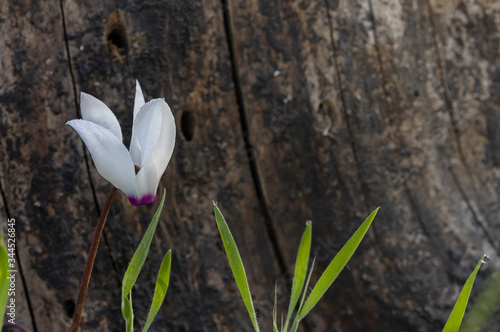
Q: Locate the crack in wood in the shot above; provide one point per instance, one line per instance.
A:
(446, 91)
(85, 155)
(271, 232)
(4, 199)
(359, 169)
(456, 133)
(395, 136)
(486, 234)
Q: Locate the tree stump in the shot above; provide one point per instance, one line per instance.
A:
(286, 111)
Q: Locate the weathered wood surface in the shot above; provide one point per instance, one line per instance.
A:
(333, 108)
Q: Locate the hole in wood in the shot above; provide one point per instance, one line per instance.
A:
(188, 124)
(326, 106)
(69, 307)
(115, 36)
(327, 118)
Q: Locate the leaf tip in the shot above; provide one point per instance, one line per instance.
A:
(485, 260)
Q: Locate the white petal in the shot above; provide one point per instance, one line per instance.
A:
(166, 143)
(110, 156)
(146, 131)
(146, 184)
(96, 111)
(152, 170)
(139, 98)
(134, 143)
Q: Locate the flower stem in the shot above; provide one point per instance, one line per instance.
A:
(77, 316)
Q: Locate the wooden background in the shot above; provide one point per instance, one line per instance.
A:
(286, 111)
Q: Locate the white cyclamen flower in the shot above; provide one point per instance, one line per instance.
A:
(151, 146)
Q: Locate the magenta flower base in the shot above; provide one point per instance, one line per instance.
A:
(150, 198)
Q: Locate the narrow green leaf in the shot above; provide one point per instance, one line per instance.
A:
(160, 289)
(336, 266)
(135, 267)
(455, 319)
(141, 253)
(128, 313)
(236, 264)
(296, 321)
(4, 282)
(484, 307)
(300, 271)
(275, 309)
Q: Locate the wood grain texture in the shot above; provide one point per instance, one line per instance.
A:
(177, 50)
(286, 111)
(379, 65)
(182, 57)
(39, 163)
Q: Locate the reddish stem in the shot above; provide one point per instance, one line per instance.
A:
(77, 316)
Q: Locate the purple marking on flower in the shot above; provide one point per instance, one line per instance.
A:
(149, 198)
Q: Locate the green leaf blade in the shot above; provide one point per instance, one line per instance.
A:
(137, 262)
(128, 313)
(160, 289)
(141, 253)
(457, 314)
(296, 320)
(236, 264)
(300, 272)
(336, 266)
(485, 306)
(275, 309)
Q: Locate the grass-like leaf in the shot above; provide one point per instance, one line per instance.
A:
(275, 309)
(160, 289)
(300, 271)
(4, 282)
(296, 321)
(455, 319)
(236, 264)
(336, 266)
(128, 313)
(137, 262)
(484, 307)
(141, 253)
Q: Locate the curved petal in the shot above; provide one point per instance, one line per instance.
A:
(146, 131)
(110, 156)
(139, 98)
(148, 178)
(146, 184)
(165, 147)
(96, 111)
(134, 143)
